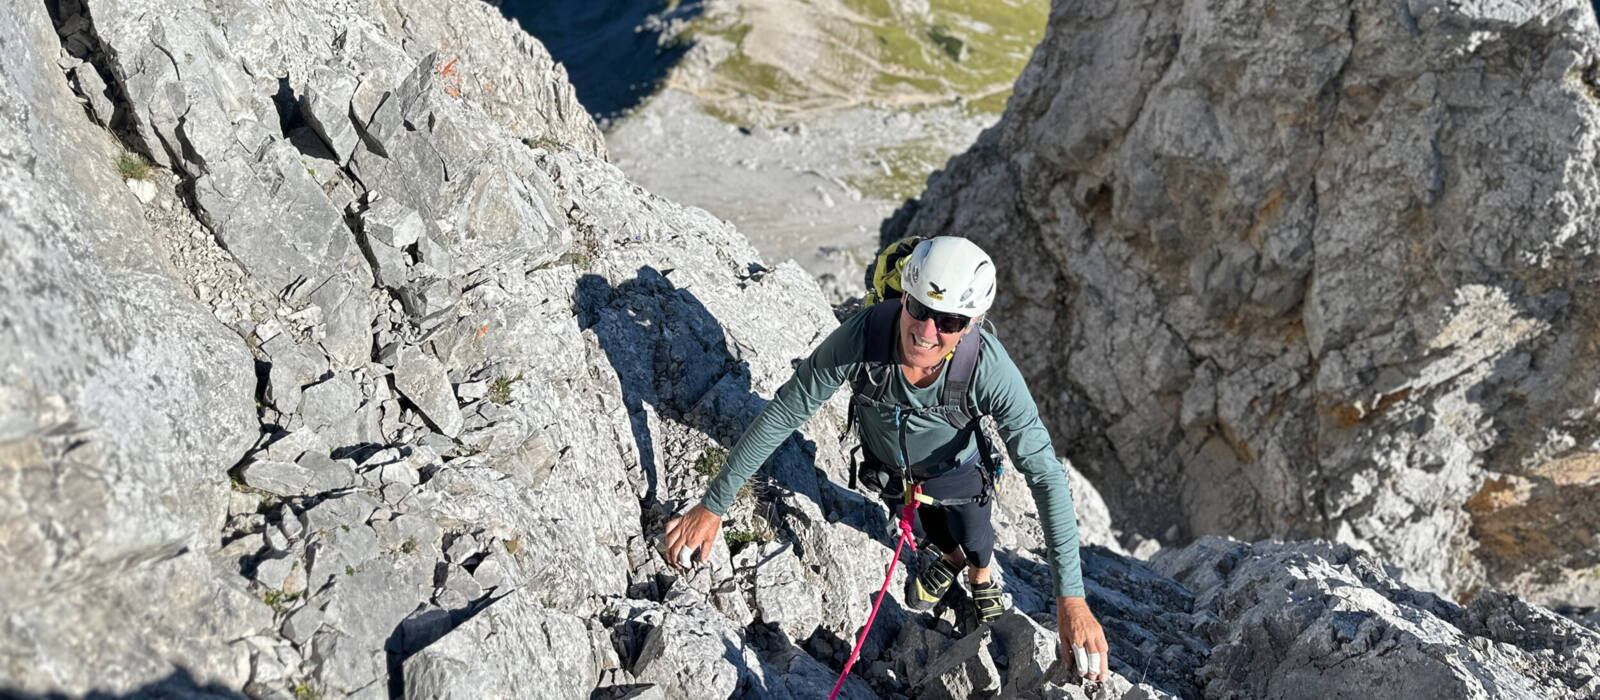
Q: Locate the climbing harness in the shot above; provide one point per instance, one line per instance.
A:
(908, 510)
(892, 482)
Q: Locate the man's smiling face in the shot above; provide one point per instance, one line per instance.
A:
(921, 343)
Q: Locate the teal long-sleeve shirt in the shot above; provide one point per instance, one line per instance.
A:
(998, 390)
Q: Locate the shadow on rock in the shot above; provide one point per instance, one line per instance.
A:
(671, 354)
(1148, 617)
(178, 684)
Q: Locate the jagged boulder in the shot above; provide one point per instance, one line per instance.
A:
(1310, 270)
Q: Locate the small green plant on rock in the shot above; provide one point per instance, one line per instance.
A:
(710, 462)
(132, 166)
(739, 538)
(545, 142)
(500, 388)
(278, 600)
(303, 691)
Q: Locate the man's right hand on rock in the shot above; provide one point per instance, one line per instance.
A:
(695, 531)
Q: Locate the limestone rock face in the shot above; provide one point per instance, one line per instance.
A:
(1310, 270)
(401, 405)
(1306, 620)
(122, 402)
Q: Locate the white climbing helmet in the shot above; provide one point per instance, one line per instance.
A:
(950, 274)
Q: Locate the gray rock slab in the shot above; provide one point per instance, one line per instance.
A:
(337, 553)
(421, 379)
(959, 669)
(326, 106)
(391, 223)
(428, 300)
(1030, 648)
(122, 402)
(293, 240)
(290, 446)
(347, 319)
(371, 598)
(458, 579)
(783, 594)
(342, 664)
(271, 572)
(490, 572)
(330, 401)
(462, 548)
(513, 648)
(279, 478)
(388, 228)
(390, 266)
(293, 365)
(348, 510)
(330, 473)
(93, 87)
(300, 625)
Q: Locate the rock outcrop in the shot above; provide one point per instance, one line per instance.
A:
(122, 404)
(1312, 270)
(378, 386)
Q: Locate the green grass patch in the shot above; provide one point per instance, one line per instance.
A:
(304, 691)
(953, 46)
(972, 49)
(908, 165)
(132, 166)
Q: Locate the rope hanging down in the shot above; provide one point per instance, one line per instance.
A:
(907, 512)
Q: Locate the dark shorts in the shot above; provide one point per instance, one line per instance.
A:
(965, 525)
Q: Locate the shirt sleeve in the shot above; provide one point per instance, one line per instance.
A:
(814, 381)
(1004, 395)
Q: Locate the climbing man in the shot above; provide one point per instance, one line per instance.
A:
(921, 377)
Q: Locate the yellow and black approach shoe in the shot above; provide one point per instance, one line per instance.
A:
(986, 598)
(926, 589)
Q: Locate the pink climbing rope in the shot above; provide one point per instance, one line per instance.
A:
(907, 512)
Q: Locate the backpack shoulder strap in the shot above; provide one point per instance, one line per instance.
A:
(959, 379)
(879, 349)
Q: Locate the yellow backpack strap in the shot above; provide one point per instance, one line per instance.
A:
(912, 491)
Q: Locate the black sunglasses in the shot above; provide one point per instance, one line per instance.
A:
(945, 322)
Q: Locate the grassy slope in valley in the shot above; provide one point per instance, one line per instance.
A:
(779, 61)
